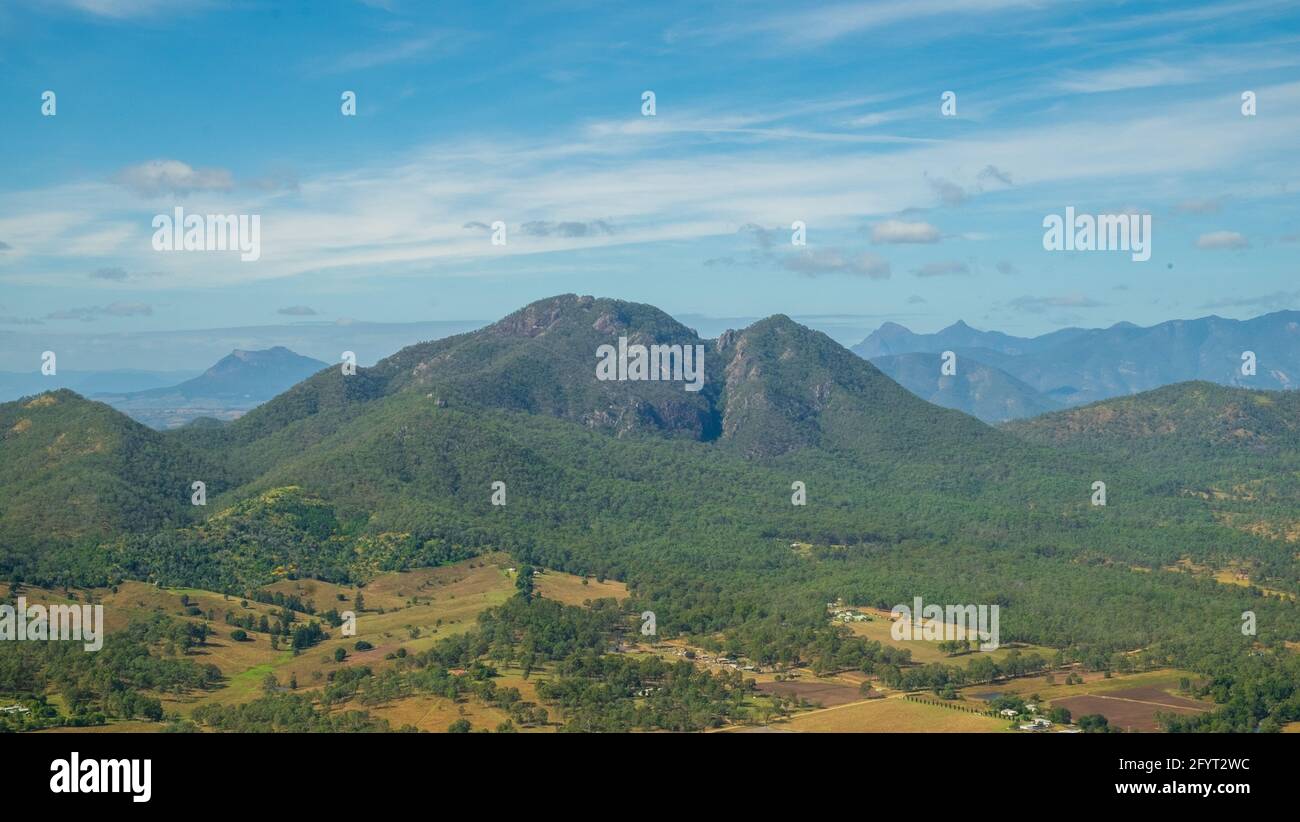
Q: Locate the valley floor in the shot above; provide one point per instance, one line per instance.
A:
(407, 613)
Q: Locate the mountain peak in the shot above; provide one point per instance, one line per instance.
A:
(237, 382)
(775, 322)
(571, 316)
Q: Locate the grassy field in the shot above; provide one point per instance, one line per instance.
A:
(892, 715)
(411, 610)
(1165, 679)
(573, 590)
(434, 713)
(414, 609)
(880, 630)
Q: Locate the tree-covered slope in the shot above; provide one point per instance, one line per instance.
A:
(787, 387)
(1191, 416)
(393, 467)
(75, 471)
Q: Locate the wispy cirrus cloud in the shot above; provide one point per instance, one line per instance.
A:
(1152, 73)
(428, 46)
(802, 260)
(403, 211)
(816, 26)
(123, 9)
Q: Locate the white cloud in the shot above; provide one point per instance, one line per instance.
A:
(814, 262)
(125, 9)
(1157, 73)
(810, 27)
(400, 214)
(427, 46)
(1146, 74)
(172, 177)
(1217, 240)
(897, 231)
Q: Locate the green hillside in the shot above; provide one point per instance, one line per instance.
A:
(76, 472)
(684, 496)
(1192, 417)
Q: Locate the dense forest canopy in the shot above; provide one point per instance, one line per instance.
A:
(688, 497)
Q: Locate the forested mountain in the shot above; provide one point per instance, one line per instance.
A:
(75, 471)
(1076, 365)
(239, 381)
(1228, 421)
(686, 496)
(982, 391)
(241, 375)
(1236, 448)
(768, 389)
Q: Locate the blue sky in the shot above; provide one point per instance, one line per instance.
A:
(766, 113)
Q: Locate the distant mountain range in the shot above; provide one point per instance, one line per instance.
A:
(982, 391)
(238, 382)
(694, 498)
(1001, 377)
